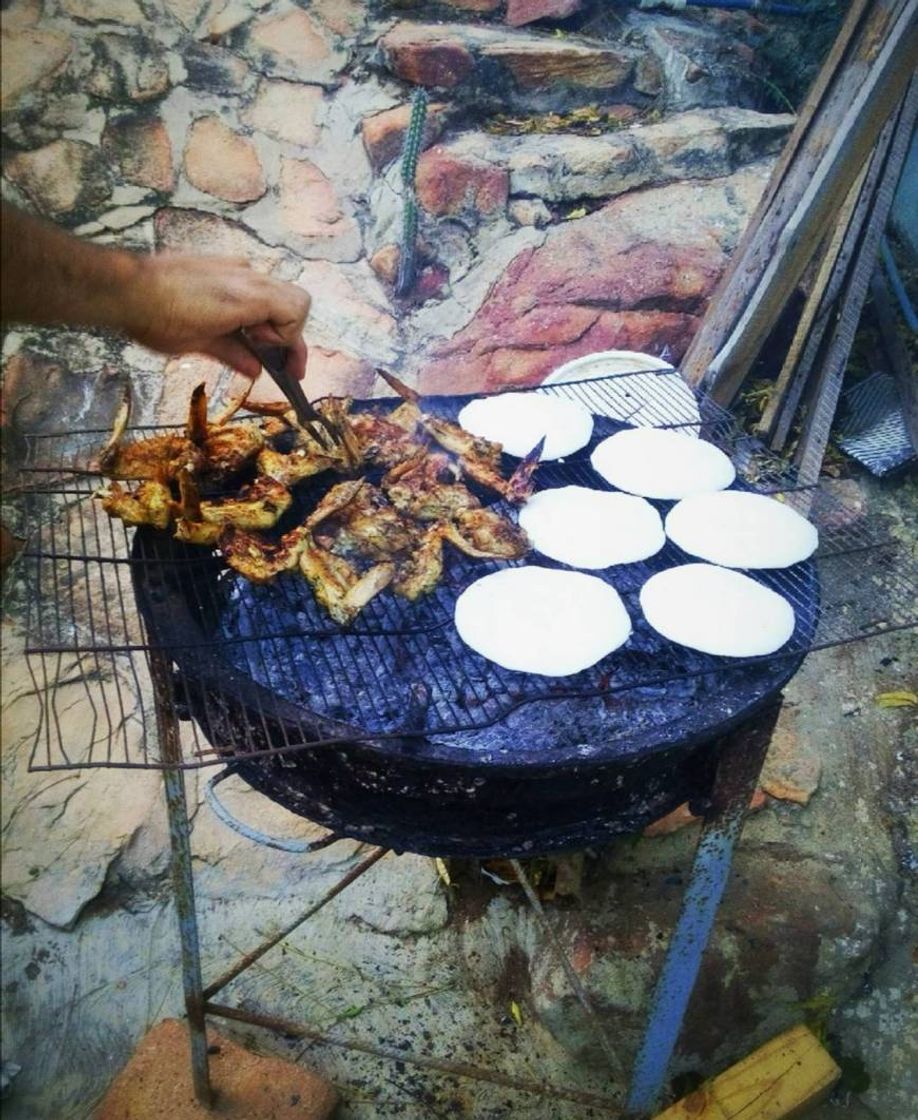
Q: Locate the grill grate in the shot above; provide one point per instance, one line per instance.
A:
(402, 670)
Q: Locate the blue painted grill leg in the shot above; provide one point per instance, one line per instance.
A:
(737, 773)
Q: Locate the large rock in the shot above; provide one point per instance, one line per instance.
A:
(287, 111)
(520, 12)
(141, 147)
(294, 46)
(384, 133)
(516, 69)
(624, 277)
(313, 215)
(31, 57)
(127, 13)
(701, 65)
(560, 167)
(63, 177)
(193, 231)
(451, 183)
(128, 67)
(222, 163)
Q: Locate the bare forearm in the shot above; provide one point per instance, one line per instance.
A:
(169, 302)
(49, 276)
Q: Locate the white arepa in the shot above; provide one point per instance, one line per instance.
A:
(737, 529)
(542, 620)
(716, 610)
(518, 421)
(592, 528)
(660, 463)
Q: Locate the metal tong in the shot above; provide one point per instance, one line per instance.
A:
(322, 430)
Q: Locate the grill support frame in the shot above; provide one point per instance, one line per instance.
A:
(742, 753)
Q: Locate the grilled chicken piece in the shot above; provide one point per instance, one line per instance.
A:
(299, 464)
(485, 534)
(388, 440)
(358, 520)
(422, 571)
(426, 488)
(157, 457)
(258, 506)
(480, 459)
(259, 559)
(338, 587)
(518, 487)
(227, 448)
(150, 504)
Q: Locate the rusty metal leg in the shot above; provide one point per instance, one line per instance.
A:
(738, 771)
(182, 877)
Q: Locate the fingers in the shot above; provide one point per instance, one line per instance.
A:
(296, 359)
(234, 354)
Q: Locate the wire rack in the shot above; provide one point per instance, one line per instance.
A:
(88, 649)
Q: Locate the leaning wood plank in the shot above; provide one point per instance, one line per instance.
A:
(896, 352)
(825, 193)
(828, 308)
(778, 1081)
(815, 438)
(813, 301)
(839, 79)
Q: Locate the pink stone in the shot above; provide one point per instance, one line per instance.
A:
(474, 5)
(384, 133)
(125, 12)
(328, 373)
(343, 17)
(286, 111)
(534, 66)
(182, 376)
(192, 231)
(222, 163)
(60, 176)
(143, 151)
(384, 263)
(447, 183)
(434, 63)
(30, 57)
(308, 202)
(520, 12)
(294, 37)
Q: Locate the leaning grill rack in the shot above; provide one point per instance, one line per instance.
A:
(401, 670)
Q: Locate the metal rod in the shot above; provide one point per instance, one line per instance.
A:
(573, 979)
(441, 1065)
(249, 959)
(182, 877)
(738, 771)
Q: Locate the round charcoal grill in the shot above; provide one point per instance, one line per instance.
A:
(417, 743)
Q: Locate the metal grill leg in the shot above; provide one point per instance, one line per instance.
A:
(182, 877)
(737, 773)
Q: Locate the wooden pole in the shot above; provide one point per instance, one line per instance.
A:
(824, 195)
(865, 31)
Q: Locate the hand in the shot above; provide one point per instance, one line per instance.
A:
(181, 304)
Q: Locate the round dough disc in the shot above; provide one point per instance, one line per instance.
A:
(541, 620)
(592, 528)
(518, 421)
(717, 611)
(660, 463)
(740, 530)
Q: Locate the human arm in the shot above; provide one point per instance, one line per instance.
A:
(170, 302)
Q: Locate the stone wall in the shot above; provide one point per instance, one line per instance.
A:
(564, 141)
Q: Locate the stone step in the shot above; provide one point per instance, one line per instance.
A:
(561, 168)
(498, 68)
